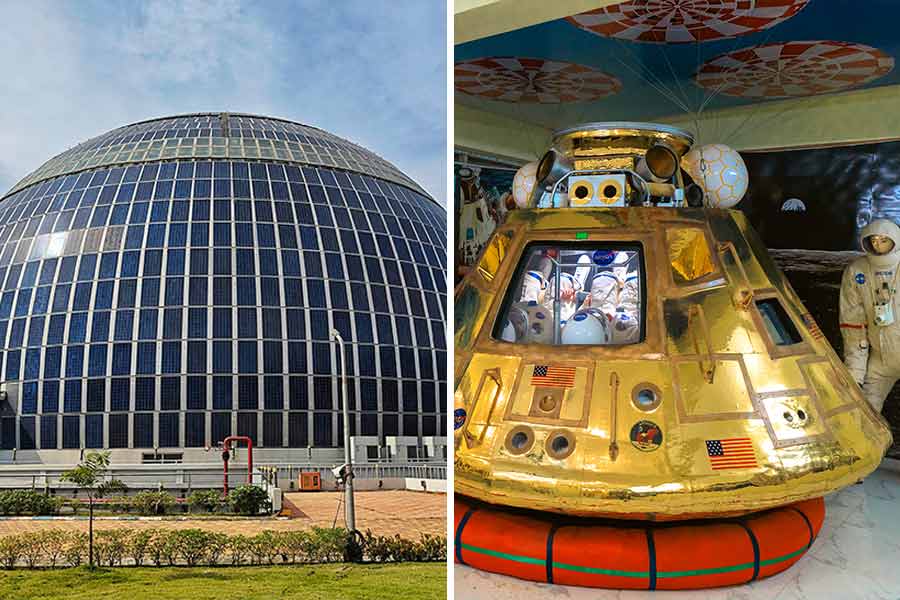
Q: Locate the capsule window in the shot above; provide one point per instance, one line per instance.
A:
(575, 294)
(777, 322)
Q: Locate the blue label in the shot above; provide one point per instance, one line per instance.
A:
(459, 418)
(604, 257)
(860, 278)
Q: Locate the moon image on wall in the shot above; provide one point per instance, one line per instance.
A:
(793, 205)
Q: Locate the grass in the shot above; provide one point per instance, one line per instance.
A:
(299, 582)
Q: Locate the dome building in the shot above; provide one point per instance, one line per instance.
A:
(175, 281)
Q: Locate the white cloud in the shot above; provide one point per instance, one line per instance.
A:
(371, 72)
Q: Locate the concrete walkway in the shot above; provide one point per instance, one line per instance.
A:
(384, 512)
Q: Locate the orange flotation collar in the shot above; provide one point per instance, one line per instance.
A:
(631, 555)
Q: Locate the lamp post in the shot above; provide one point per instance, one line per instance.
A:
(349, 511)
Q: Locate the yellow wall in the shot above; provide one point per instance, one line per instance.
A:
(840, 119)
(491, 134)
(476, 19)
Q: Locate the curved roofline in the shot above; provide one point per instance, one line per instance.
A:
(421, 190)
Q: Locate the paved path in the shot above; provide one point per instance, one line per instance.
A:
(384, 512)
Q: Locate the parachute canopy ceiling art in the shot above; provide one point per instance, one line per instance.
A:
(646, 59)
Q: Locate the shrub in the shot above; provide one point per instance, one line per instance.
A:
(264, 547)
(196, 546)
(208, 500)
(248, 500)
(28, 502)
(31, 549)
(397, 549)
(11, 548)
(239, 546)
(111, 546)
(434, 547)
(218, 544)
(294, 545)
(327, 545)
(138, 545)
(53, 542)
(119, 504)
(153, 503)
(156, 546)
(75, 550)
(192, 545)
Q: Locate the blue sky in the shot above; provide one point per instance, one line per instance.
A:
(368, 70)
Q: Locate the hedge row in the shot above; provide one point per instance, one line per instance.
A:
(244, 499)
(116, 547)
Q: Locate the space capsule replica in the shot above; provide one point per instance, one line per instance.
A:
(628, 351)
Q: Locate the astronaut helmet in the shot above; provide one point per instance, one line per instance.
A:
(881, 241)
(620, 265)
(586, 327)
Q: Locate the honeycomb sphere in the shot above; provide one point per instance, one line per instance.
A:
(720, 171)
(523, 183)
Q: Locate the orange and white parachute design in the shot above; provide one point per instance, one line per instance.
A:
(685, 21)
(784, 70)
(533, 80)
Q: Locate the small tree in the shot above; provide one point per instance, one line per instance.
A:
(90, 476)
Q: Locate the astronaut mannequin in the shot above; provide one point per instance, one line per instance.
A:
(617, 294)
(569, 284)
(870, 313)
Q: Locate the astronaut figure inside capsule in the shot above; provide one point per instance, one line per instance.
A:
(575, 295)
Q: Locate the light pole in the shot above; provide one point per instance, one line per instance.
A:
(349, 511)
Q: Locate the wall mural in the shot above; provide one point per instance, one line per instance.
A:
(482, 197)
(510, 79)
(685, 21)
(809, 207)
(645, 59)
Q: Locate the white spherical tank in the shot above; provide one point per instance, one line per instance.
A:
(523, 183)
(720, 171)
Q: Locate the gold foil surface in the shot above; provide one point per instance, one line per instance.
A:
(689, 254)
(793, 412)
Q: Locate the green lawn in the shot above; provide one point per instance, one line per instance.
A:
(301, 582)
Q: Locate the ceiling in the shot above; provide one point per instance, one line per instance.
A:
(649, 59)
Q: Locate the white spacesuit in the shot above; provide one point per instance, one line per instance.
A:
(869, 311)
(569, 284)
(534, 283)
(617, 293)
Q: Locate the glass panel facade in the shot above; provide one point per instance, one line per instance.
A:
(150, 301)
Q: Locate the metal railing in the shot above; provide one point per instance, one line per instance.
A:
(183, 478)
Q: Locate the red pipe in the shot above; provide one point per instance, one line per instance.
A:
(226, 447)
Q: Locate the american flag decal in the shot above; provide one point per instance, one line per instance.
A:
(732, 453)
(812, 326)
(550, 376)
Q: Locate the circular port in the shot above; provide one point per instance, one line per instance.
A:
(610, 191)
(582, 192)
(801, 415)
(547, 403)
(788, 416)
(560, 444)
(646, 397)
(519, 440)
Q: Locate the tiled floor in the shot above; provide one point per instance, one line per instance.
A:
(856, 556)
(384, 512)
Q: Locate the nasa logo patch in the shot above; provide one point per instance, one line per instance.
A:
(604, 257)
(860, 278)
(646, 436)
(459, 418)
